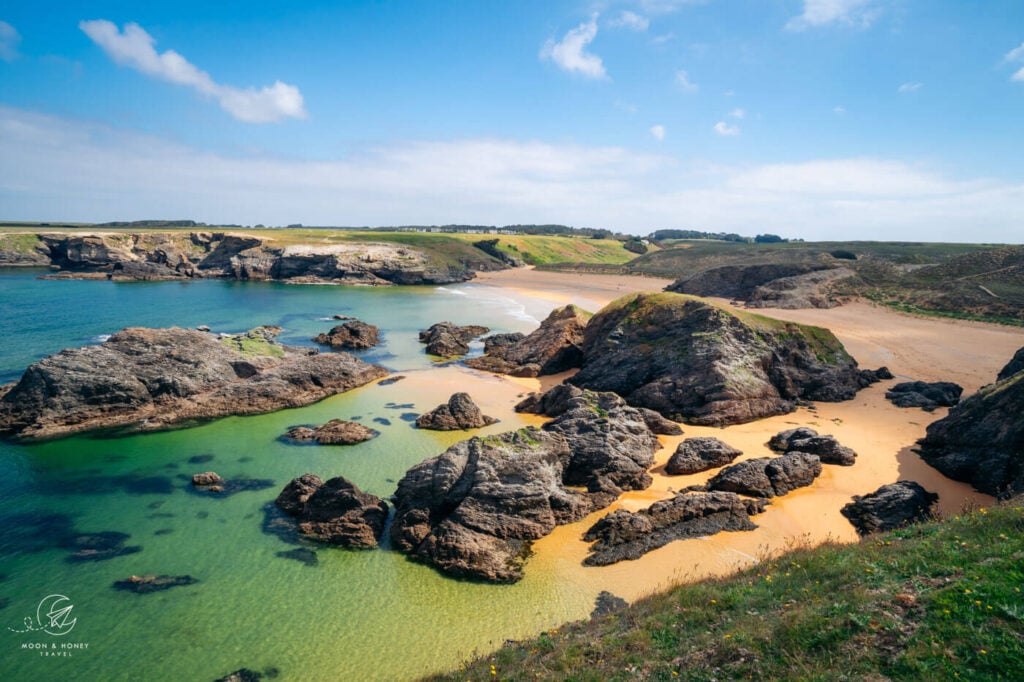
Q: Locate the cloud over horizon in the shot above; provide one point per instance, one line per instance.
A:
(570, 53)
(134, 47)
(54, 168)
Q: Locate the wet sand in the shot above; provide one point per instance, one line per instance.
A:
(883, 435)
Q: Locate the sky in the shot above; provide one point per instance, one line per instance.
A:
(813, 119)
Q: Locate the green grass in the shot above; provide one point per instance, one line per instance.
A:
(936, 601)
(19, 242)
(253, 344)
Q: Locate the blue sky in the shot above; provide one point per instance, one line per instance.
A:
(821, 119)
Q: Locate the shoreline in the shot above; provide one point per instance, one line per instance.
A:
(969, 353)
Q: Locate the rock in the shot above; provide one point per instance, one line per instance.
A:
(460, 412)
(334, 432)
(335, 512)
(97, 546)
(810, 290)
(202, 328)
(473, 510)
(552, 403)
(768, 476)
(981, 440)
(739, 282)
(607, 603)
(780, 441)
(303, 555)
(342, 317)
(391, 380)
(242, 675)
(659, 425)
(145, 584)
(151, 379)
(207, 478)
(927, 396)
(827, 448)
(694, 361)
(891, 506)
(694, 455)
(873, 376)
(352, 335)
(552, 348)
(1015, 365)
(292, 499)
(495, 341)
(447, 340)
(624, 535)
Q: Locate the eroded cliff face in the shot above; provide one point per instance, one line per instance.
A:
(981, 441)
(150, 379)
(168, 256)
(694, 361)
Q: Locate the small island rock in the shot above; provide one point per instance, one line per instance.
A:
(460, 412)
(694, 455)
(352, 335)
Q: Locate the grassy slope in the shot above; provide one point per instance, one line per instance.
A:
(445, 248)
(941, 600)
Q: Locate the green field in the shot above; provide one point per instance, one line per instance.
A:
(937, 601)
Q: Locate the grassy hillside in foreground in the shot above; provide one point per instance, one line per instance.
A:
(533, 249)
(936, 601)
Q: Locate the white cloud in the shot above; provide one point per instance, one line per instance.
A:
(839, 109)
(9, 39)
(859, 13)
(134, 48)
(662, 39)
(1016, 54)
(54, 168)
(737, 113)
(630, 20)
(570, 54)
(667, 6)
(724, 129)
(910, 87)
(683, 81)
(1019, 76)
(658, 132)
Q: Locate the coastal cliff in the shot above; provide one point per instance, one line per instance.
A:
(194, 255)
(153, 379)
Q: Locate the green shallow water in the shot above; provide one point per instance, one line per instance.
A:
(353, 616)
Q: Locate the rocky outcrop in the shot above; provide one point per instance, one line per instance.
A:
(448, 340)
(460, 412)
(334, 432)
(146, 584)
(891, 506)
(826, 448)
(335, 512)
(695, 455)
(352, 335)
(473, 510)
(739, 281)
(1013, 366)
(927, 396)
(150, 379)
(167, 256)
(694, 361)
(768, 476)
(554, 347)
(659, 425)
(810, 290)
(208, 480)
(981, 441)
(780, 442)
(624, 535)
(495, 341)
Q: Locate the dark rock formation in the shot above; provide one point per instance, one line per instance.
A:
(827, 448)
(151, 379)
(891, 506)
(924, 395)
(334, 432)
(460, 412)
(448, 340)
(981, 441)
(694, 455)
(810, 290)
(97, 546)
(473, 510)
(352, 335)
(629, 535)
(1015, 365)
(659, 425)
(335, 512)
(206, 478)
(553, 347)
(249, 675)
(495, 341)
(739, 281)
(696, 362)
(146, 584)
(768, 476)
(780, 441)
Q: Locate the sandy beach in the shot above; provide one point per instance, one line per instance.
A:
(883, 435)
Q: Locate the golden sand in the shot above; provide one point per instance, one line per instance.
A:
(883, 435)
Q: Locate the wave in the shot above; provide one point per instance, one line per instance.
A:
(486, 297)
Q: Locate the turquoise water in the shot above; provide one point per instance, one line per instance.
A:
(352, 616)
